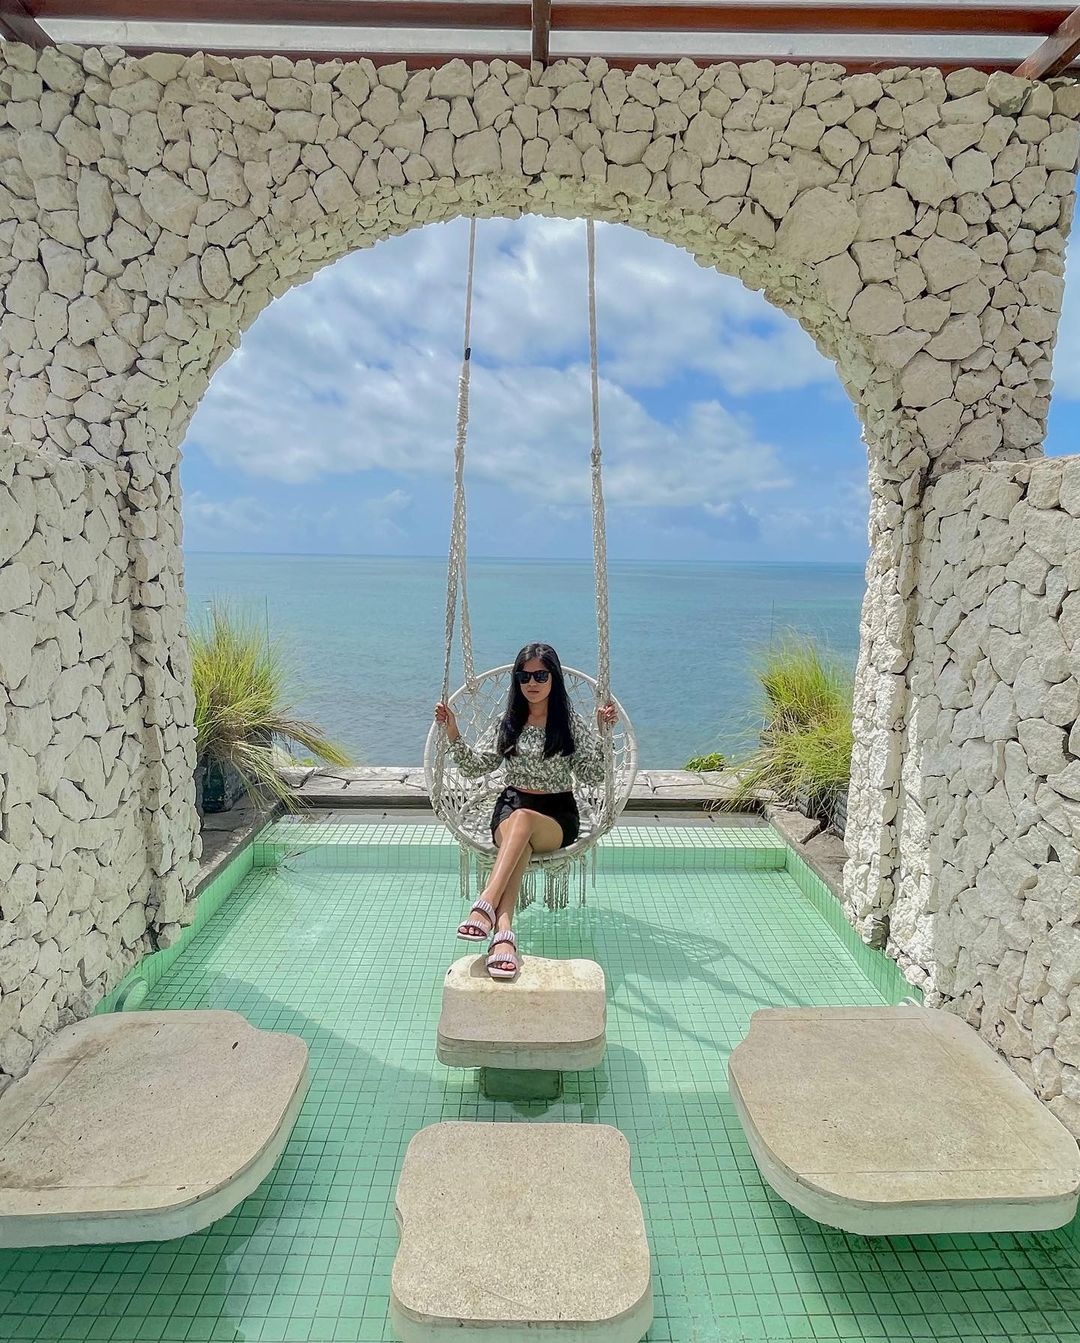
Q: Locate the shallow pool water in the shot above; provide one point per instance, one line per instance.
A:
(346, 945)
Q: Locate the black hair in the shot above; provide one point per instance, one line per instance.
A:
(559, 736)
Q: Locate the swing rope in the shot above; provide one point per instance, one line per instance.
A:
(456, 573)
(456, 568)
(603, 652)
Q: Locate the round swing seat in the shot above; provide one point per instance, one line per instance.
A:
(465, 804)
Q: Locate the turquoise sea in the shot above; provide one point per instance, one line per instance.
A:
(365, 636)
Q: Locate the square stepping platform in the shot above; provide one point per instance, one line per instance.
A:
(512, 1231)
(552, 1017)
(898, 1121)
(144, 1126)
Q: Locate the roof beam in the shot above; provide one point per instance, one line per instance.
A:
(17, 24)
(541, 30)
(309, 14)
(1033, 17)
(1056, 52)
(810, 16)
(435, 44)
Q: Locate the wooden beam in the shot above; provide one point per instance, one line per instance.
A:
(1056, 52)
(808, 16)
(310, 14)
(1021, 17)
(17, 24)
(541, 30)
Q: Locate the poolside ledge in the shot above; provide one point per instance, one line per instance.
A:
(403, 786)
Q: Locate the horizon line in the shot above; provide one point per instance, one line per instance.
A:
(502, 559)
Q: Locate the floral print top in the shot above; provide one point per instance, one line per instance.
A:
(528, 768)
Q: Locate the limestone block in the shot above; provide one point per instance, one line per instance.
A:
(553, 1016)
(169, 202)
(1059, 150)
(581, 1267)
(958, 338)
(877, 310)
(947, 264)
(819, 225)
(925, 173)
(625, 147)
(110, 1186)
(924, 381)
(702, 138)
(1007, 93)
(728, 177)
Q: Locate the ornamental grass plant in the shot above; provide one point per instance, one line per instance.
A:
(240, 678)
(804, 750)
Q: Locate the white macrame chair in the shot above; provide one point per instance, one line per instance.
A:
(464, 804)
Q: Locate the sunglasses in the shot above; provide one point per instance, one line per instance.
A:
(522, 677)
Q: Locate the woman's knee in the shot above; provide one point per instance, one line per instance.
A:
(521, 821)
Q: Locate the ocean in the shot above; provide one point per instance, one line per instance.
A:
(364, 637)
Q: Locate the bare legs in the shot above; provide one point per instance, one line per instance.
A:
(522, 834)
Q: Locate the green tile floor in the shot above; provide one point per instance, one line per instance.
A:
(352, 959)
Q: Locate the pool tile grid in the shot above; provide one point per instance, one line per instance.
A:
(430, 847)
(688, 956)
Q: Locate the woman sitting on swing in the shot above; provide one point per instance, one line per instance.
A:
(543, 744)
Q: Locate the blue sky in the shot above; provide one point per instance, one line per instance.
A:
(726, 434)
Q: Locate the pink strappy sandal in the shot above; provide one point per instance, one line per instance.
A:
(499, 958)
(470, 930)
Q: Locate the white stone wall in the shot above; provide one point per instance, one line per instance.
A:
(92, 875)
(149, 209)
(993, 930)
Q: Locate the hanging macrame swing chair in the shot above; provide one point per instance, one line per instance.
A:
(464, 804)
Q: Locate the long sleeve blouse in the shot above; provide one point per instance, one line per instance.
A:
(528, 767)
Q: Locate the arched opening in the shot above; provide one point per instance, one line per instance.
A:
(727, 439)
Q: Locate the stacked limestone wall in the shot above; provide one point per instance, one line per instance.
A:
(149, 209)
(993, 929)
(89, 879)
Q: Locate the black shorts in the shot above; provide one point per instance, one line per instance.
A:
(561, 807)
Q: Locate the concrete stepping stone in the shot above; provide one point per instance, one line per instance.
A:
(514, 1231)
(551, 1017)
(144, 1126)
(896, 1121)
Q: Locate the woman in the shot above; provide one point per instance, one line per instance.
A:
(543, 744)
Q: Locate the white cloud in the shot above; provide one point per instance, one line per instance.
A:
(358, 370)
(224, 516)
(365, 355)
(842, 517)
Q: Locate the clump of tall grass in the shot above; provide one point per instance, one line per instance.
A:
(806, 738)
(240, 678)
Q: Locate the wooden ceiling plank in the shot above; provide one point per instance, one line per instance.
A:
(868, 16)
(1056, 52)
(541, 30)
(312, 13)
(17, 24)
(908, 16)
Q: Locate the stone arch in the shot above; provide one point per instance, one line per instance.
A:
(913, 224)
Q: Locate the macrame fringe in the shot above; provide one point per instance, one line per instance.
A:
(551, 879)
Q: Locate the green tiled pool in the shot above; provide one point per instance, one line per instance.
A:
(345, 943)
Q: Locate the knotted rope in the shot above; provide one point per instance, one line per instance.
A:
(456, 571)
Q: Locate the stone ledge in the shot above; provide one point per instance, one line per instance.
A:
(896, 1121)
(556, 1248)
(552, 1016)
(217, 1097)
(823, 852)
(403, 786)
